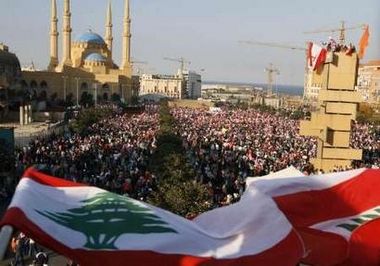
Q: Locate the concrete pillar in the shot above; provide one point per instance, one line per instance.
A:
(29, 114)
(21, 115)
(26, 119)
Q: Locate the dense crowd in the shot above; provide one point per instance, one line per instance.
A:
(113, 154)
(227, 146)
(223, 148)
(367, 137)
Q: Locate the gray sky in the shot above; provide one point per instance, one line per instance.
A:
(206, 32)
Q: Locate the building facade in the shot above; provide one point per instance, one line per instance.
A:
(312, 87)
(368, 84)
(193, 84)
(86, 66)
(163, 85)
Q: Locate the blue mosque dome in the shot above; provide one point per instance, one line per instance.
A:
(90, 37)
(95, 57)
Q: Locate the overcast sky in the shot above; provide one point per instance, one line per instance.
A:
(206, 32)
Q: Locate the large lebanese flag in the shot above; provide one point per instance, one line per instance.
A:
(95, 227)
(336, 214)
(316, 55)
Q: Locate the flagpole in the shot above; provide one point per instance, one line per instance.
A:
(5, 237)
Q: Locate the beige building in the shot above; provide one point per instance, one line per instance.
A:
(86, 66)
(163, 85)
(368, 84)
(311, 88)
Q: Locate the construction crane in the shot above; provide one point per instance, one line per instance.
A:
(180, 60)
(271, 70)
(133, 63)
(342, 31)
(274, 44)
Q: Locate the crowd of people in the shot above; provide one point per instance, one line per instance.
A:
(366, 136)
(333, 46)
(227, 146)
(113, 154)
(223, 148)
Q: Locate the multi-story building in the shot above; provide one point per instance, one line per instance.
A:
(163, 85)
(193, 84)
(368, 84)
(311, 88)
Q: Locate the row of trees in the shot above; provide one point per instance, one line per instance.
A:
(177, 190)
(88, 117)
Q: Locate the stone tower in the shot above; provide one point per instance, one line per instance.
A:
(53, 37)
(126, 38)
(109, 37)
(66, 40)
(338, 103)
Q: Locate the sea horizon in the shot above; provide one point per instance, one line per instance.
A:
(280, 88)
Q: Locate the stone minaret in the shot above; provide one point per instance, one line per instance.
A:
(126, 64)
(108, 37)
(53, 37)
(66, 34)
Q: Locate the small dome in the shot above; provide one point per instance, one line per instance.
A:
(90, 37)
(95, 57)
(8, 58)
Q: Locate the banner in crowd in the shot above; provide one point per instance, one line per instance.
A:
(336, 214)
(96, 227)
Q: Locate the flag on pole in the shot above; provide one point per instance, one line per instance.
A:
(363, 43)
(96, 227)
(336, 214)
(316, 56)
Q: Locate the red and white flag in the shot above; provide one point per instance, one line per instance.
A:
(96, 227)
(316, 56)
(336, 214)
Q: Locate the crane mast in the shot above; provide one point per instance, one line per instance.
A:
(180, 60)
(342, 31)
(271, 71)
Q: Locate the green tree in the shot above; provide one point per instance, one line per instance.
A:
(182, 198)
(107, 216)
(177, 191)
(88, 117)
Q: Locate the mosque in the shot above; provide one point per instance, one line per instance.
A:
(86, 66)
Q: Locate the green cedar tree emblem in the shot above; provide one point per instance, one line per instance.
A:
(106, 216)
(354, 223)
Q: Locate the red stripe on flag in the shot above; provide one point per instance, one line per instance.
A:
(285, 253)
(364, 249)
(323, 248)
(348, 198)
(48, 180)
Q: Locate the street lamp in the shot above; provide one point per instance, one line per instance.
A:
(64, 87)
(96, 92)
(77, 79)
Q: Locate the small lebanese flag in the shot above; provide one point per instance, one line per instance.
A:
(96, 227)
(316, 56)
(336, 214)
